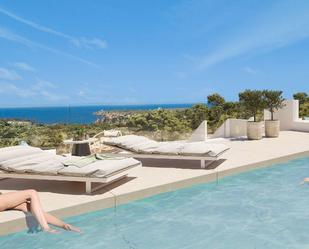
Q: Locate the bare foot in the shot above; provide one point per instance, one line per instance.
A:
(69, 227)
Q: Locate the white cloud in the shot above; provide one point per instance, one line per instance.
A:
(52, 96)
(78, 42)
(268, 32)
(104, 94)
(41, 88)
(40, 83)
(250, 70)
(9, 88)
(6, 74)
(90, 43)
(81, 93)
(8, 35)
(24, 66)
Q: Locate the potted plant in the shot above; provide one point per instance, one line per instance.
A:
(273, 101)
(252, 101)
(79, 134)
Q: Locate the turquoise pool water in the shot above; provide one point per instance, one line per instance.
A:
(265, 208)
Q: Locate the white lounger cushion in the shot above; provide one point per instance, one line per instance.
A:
(144, 145)
(132, 142)
(166, 148)
(126, 141)
(100, 168)
(27, 159)
(202, 149)
(41, 162)
(12, 152)
(38, 163)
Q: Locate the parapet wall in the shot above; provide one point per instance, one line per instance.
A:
(289, 117)
(232, 127)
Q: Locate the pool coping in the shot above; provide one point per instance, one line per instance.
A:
(19, 224)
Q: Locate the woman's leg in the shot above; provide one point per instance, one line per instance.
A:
(12, 200)
(59, 223)
(25, 207)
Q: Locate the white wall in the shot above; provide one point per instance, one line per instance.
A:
(232, 127)
(200, 134)
(289, 117)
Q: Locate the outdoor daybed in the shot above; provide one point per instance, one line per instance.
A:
(142, 147)
(26, 162)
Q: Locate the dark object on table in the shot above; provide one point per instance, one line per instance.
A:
(81, 149)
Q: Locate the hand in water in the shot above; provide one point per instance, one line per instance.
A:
(69, 227)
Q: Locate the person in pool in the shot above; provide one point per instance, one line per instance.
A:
(28, 201)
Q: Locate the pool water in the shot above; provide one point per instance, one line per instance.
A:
(265, 208)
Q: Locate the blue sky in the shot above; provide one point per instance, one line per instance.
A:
(77, 52)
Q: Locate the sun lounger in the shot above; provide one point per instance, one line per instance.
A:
(142, 147)
(26, 162)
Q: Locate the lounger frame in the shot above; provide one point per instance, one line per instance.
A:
(89, 189)
(204, 160)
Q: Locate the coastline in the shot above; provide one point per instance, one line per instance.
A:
(75, 114)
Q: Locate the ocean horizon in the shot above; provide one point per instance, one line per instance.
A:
(74, 114)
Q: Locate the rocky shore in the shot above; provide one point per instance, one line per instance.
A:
(115, 116)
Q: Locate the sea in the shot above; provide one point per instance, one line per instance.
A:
(74, 114)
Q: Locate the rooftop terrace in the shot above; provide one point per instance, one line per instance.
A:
(156, 176)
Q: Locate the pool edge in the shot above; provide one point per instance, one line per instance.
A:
(19, 224)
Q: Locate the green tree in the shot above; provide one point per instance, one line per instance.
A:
(273, 101)
(252, 100)
(215, 114)
(304, 110)
(196, 115)
(231, 109)
(302, 97)
(215, 100)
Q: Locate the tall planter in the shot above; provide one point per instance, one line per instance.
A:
(254, 130)
(252, 100)
(273, 101)
(272, 128)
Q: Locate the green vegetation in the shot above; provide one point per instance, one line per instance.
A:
(159, 124)
(215, 100)
(273, 101)
(303, 99)
(253, 102)
(43, 136)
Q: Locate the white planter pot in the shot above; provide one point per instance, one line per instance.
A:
(272, 128)
(254, 130)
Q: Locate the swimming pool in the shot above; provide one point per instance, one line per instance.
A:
(265, 208)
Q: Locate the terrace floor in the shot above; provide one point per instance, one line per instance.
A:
(156, 176)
